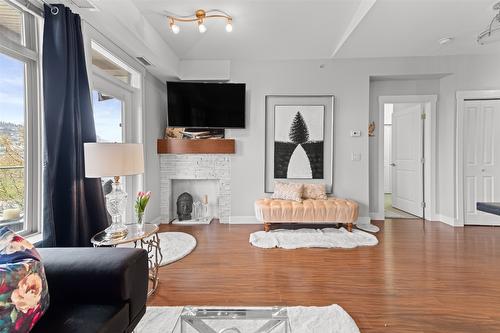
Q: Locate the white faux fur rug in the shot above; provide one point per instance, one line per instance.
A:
(174, 246)
(302, 319)
(327, 237)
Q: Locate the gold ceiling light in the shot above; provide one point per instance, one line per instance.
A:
(492, 33)
(200, 16)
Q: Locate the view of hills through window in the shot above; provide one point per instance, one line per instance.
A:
(12, 119)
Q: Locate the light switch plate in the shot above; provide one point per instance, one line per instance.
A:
(355, 133)
(355, 156)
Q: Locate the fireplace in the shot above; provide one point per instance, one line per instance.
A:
(198, 174)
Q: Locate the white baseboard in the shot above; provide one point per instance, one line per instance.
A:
(363, 220)
(448, 220)
(377, 216)
(250, 219)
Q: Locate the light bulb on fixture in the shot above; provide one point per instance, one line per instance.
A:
(202, 27)
(174, 27)
(229, 25)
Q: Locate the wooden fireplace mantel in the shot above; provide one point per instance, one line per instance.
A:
(196, 146)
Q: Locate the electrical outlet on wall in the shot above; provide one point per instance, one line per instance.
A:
(355, 133)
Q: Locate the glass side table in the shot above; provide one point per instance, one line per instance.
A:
(233, 320)
(147, 239)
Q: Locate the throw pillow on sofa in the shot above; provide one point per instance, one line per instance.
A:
(24, 294)
(288, 191)
(314, 191)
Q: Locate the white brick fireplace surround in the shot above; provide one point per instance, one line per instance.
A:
(195, 167)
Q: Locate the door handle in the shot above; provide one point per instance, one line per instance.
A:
(393, 164)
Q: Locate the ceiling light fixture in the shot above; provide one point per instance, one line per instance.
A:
(200, 16)
(445, 40)
(491, 35)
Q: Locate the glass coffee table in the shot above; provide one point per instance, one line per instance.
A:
(146, 238)
(233, 320)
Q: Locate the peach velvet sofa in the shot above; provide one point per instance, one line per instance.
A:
(311, 211)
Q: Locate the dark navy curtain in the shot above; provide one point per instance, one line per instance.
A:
(74, 207)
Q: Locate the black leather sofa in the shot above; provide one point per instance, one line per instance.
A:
(94, 289)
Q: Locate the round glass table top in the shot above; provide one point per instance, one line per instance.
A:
(134, 234)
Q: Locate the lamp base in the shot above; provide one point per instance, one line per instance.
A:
(116, 231)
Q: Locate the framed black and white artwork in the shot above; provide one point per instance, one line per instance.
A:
(299, 140)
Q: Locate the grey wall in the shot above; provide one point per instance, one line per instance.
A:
(339, 78)
(389, 88)
(349, 81)
(155, 120)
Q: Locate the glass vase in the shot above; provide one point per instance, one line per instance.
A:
(140, 222)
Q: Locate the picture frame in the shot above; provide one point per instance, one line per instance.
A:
(299, 140)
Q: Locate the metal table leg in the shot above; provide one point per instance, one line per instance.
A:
(152, 245)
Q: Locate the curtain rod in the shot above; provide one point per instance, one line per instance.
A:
(34, 8)
(53, 9)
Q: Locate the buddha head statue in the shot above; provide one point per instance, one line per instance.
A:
(184, 206)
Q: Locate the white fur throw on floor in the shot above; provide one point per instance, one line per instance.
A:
(174, 246)
(302, 319)
(328, 237)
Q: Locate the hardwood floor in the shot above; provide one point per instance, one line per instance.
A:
(431, 278)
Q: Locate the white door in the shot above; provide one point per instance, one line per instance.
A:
(387, 158)
(407, 179)
(481, 148)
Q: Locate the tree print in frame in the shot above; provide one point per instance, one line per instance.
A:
(299, 140)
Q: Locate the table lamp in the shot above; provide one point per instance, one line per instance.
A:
(114, 160)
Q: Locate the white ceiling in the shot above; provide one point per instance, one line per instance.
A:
(263, 29)
(394, 28)
(313, 29)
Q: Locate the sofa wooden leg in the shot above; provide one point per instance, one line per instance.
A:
(349, 227)
(267, 227)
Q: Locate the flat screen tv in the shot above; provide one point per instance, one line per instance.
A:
(206, 105)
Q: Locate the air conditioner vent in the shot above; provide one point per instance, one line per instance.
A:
(144, 61)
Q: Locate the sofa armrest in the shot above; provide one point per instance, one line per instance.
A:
(97, 276)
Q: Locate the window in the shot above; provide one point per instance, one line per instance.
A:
(12, 106)
(99, 60)
(114, 99)
(108, 112)
(11, 25)
(19, 120)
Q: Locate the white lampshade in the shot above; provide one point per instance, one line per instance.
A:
(113, 159)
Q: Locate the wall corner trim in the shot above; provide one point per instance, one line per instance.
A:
(451, 221)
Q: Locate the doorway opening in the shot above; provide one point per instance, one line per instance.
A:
(406, 156)
(403, 177)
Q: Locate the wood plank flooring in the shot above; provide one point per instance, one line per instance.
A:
(420, 278)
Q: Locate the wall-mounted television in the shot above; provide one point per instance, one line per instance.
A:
(206, 105)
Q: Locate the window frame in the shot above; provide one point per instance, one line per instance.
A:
(132, 123)
(29, 54)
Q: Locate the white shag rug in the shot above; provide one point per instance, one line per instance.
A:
(302, 319)
(368, 227)
(300, 238)
(174, 246)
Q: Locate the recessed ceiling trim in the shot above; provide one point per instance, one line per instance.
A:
(363, 9)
